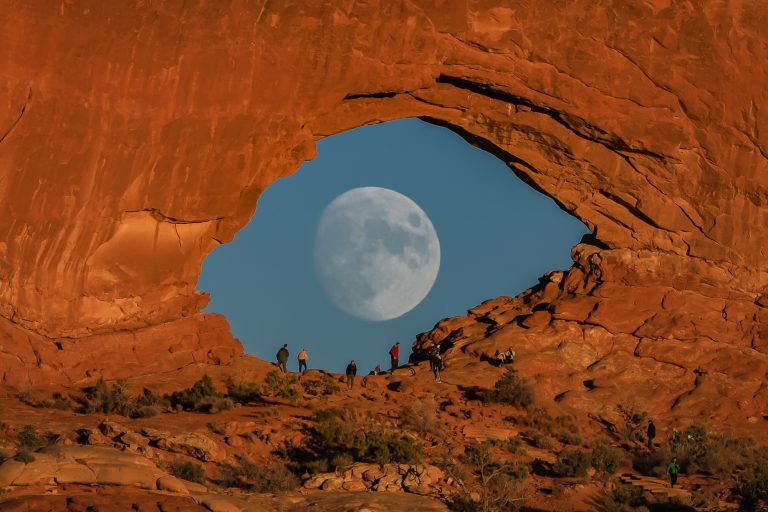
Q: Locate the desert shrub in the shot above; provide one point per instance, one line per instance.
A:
(498, 483)
(260, 478)
(624, 498)
(25, 456)
(340, 461)
(604, 459)
(703, 500)
(420, 416)
(753, 490)
(56, 401)
(187, 471)
(202, 396)
(514, 445)
(383, 447)
(279, 385)
(566, 437)
(653, 463)
(572, 463)
(512, 389)
(29, 438)
(725, 454)
(243, 392)
(103, 398)
(336, 434)
(633, 421)
(538, 440)
(322, 385)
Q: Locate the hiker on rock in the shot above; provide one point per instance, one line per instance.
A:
(394, 355)
(351, 372)
(509, 356)
(673, 469)
(498, 358)
(302, 357)
(436, 362)
(675, 439)
(282, 358)
(651, 434)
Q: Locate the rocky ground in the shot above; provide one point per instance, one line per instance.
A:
(107, 461)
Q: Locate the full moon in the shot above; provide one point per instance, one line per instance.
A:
(376, 253)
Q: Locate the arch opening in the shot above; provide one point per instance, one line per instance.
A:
(497, 236)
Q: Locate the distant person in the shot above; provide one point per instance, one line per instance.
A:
(436, 362)
(509, 356)
(499, 358)
(351, 372)
(394, 356)
(675, 439)
(673, 469)
(282, 358)
(377, 370)
(302, 357)
(651, 434)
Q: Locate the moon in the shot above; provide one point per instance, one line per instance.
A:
(377, 254)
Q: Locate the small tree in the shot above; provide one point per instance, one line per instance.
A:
(512, 389)
(499, 482)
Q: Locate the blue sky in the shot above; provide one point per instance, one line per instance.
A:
(497, 236)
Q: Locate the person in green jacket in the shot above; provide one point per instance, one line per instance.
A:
(673, 469)
(282, 358)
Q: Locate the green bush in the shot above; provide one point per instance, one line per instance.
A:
(103, 398)
(187, 471)
(624, 498)
(56, 401)
(753, 491)
(279, 385)
(322, 385)
(604, 459)
(336, 437)
(538, 440)
(514, 445)
(29, 439)
(512, 389)
(498, 483)
(243, 392)
(572, 463)
(259, 478)
(197, 397)
(383, 447)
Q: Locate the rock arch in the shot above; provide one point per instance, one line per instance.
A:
(134, 139)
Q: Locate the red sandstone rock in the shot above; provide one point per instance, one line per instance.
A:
(644, 121)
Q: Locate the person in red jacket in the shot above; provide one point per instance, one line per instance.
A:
(394, 355)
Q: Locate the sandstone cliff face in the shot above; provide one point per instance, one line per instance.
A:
(134, 138)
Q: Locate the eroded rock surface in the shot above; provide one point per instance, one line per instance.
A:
(134, 138)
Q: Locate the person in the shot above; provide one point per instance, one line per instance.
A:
(394, 355)
(675, 436)
(651, 434)
(351, 372)
(673, 469)
(436, 362)
(499, 356)
(282, 358)
(377, 370)
(302, 357)
(509, 356)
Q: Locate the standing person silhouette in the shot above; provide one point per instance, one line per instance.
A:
(394, 356)
(302, 357)
(351, 372)
(651, 434)
(282, 358)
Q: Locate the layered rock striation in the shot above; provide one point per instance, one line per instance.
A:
(135, 138)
